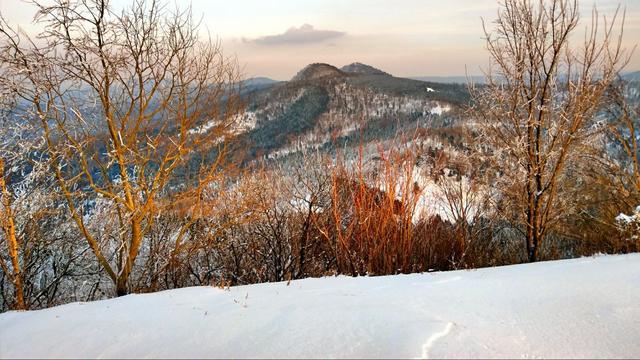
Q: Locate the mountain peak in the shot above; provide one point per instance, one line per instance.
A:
(316, 71)
(364, 69)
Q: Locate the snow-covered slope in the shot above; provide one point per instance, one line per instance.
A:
(587, 307)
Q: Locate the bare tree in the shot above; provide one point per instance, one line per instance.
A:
(539, 104)
(127, 102)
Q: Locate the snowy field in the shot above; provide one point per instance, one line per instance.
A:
(587, 307)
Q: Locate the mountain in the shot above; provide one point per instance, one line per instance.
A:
(323, 105)
(363, 69)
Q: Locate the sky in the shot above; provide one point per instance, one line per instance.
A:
(403, 37)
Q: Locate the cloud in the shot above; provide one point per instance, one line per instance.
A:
(304, 34)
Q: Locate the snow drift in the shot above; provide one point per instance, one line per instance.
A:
(586, 307)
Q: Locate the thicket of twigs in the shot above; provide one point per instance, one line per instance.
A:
(319, 217)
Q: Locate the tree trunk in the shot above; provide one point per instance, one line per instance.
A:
(9, 228)
(136, 240)
(533, 231)
(533, 250)
(303, 243)
(121, 287)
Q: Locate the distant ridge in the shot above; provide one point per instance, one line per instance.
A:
(632, 76)
(478, 79)
(258, 81)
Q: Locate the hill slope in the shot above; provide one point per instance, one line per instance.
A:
(323, 104)
(574, 308)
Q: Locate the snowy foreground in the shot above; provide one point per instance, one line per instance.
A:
(587, 307)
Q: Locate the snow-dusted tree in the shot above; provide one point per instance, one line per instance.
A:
(629, 225)
(308, 190)
(11, 240)
(41, 259)
(624, 130)
(465, 203)
(127, 102)
(541, 98)
(25, 197)
(7, 218)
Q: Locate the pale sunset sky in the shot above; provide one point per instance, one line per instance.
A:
(403, 37)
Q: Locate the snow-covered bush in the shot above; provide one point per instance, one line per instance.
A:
(629, 225)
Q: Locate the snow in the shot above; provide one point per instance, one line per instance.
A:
(241, 123)
(585, 307)
(439, 110)
(625, 219)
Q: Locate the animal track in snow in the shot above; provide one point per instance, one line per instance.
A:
(435, 337)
